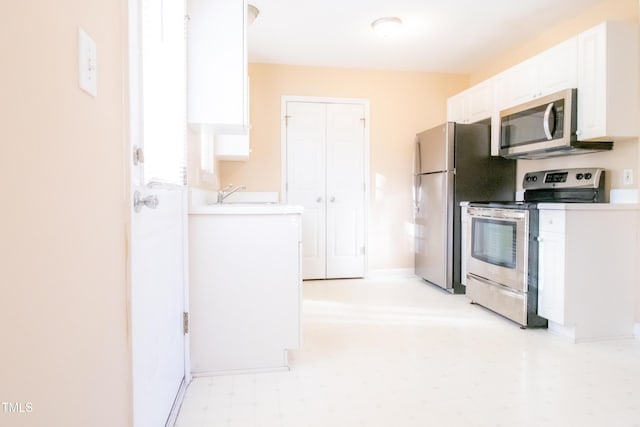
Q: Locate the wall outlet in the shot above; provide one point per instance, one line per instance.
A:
(627, 176)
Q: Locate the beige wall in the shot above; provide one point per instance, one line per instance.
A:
(63, 298)
(401, 104)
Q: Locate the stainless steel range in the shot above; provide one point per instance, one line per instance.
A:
(502, 249)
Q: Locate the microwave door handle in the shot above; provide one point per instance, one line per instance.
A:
(549, 129)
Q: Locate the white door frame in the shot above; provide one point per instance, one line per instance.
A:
(283, 154)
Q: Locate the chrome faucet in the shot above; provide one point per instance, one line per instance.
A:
(223, 194)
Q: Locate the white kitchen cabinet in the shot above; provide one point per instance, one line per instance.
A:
(548, 72)
(608, 82)
(472, 105)
(586, 287)
(551, 271)
(456, 108)
(245, 286)
(217, 66)
(233, 147)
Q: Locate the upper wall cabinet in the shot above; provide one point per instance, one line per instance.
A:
(602, 63)
(546, 73)
(608, 82)
(217, 77)
(472, 105)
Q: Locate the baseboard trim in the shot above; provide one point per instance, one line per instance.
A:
(177, 404)
(239, 372)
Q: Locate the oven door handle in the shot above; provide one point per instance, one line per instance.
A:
(515, 215)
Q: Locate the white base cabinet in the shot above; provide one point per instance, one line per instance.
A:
(245, 289)
(586, 287)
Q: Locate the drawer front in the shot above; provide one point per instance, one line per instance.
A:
(510, 304)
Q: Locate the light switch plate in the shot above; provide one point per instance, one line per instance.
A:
(87, 63)
(627, 176)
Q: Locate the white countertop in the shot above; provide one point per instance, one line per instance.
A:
(590, 206)
(203, 202)
(245, 209)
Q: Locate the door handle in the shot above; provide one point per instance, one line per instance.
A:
(319, 200)
(332, 199)
(139, 202)
(549, 129)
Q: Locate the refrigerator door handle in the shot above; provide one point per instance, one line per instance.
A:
(416, 195)
(417, 164)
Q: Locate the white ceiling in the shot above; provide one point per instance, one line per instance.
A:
(453, 36)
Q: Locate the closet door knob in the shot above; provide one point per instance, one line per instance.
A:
(319, 200)
(333, 199)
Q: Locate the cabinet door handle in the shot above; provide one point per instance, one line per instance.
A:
(333, 199)
(319, 200)
(539, 239)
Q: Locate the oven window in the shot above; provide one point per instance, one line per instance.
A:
(494, 241)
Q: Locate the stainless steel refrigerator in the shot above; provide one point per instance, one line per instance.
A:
(453, 164)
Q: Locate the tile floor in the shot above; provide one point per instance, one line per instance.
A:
(399, 352)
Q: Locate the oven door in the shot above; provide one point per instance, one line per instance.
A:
(498, 247)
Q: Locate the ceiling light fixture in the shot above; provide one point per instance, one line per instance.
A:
(386, 27)
(252, 13)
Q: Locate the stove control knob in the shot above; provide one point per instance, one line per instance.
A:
(534, 178)
(579, 176)
(588, 175)
(527, 178)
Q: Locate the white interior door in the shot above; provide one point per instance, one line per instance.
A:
(325, 173)
(157, 298)
(158, 228)
(345, 190)
(306, 159)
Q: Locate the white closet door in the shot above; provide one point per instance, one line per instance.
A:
(306, 159)
(325, 169)
(345, 190)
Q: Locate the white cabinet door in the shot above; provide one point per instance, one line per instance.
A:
(608, 105)
(456, 108)
(521, 82)
(558, 68)
(325, 174)
(218, 64)
(345, 190)
(306, 180)
(553, 70)
(472, 105)
(551, 265)
(592, 78)
(480, 102)
(551, 289)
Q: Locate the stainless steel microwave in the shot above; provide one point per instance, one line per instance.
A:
(544, 127)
